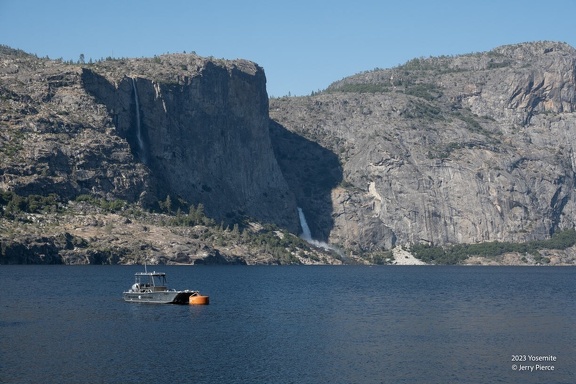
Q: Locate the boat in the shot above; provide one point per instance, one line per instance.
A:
(150, 287)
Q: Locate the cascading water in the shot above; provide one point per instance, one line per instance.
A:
(138, 124)
(306, 234)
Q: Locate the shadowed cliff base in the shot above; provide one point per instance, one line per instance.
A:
(311, 172)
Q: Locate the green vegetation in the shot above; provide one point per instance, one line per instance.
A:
(269, 242)
(12, 147)
(457, 253)
(434, 65)
(418, 109)
(362, 88)
(282, 247)
(425, 91)
(502, 64)
(111, 206)
(6, 50)
(419, 64)
(195, 216)
(278, 243)
(381, 257)
(267, 239)
(12, 204)
(471, 123)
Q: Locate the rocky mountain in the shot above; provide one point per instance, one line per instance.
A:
(441, 150)
(169, 133)
(183, 159)
(143, 129)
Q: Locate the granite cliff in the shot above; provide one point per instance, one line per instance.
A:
(202, 132)
(441, 150)
(178, 133)
(144, 129)
(183, 159)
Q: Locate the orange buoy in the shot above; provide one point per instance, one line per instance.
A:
(199, 300)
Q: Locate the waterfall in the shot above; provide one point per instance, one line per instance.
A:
(138, 124)
(306, 234)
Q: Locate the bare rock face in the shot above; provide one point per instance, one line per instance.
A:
(56, 139)
(202, 130)
(177, 125)
(447, 150)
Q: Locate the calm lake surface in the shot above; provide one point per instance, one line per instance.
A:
(330, 324)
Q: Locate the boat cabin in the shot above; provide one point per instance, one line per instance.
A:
(150, 281)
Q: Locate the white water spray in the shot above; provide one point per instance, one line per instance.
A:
(138, 124)
(307, 235)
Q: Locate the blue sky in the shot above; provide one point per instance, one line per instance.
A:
(302, 45)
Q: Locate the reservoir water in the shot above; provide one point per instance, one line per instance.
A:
(330, 324)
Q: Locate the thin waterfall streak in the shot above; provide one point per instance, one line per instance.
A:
(306, 234)
(138, 123)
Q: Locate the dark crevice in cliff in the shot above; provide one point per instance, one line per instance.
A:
(312, 172)
(125, 120)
